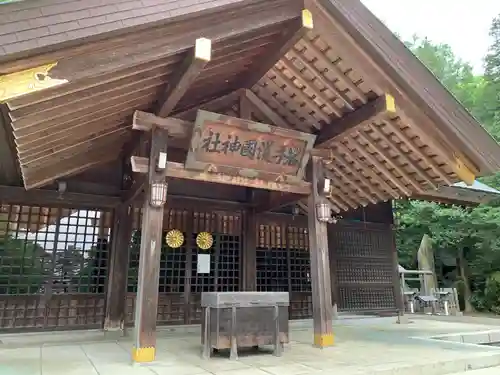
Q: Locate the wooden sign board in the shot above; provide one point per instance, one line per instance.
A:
(237, 147)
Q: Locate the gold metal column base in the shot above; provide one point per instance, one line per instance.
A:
(323, 341)
(143, 355)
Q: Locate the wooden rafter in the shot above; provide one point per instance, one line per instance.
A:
(389, 160)
(298, 75)
(367, 170)
(289, 117)
(360, 191)
(371, 159)
(267, 111)
(211, 105)
(339, 159)
(339, 188)
(197, 59)
(299, 93)
(365, 115)
(321, 56)
(288, 107)
(402, 154)
(287, 41)
(298, 56)
(414, 148)
(245, 108)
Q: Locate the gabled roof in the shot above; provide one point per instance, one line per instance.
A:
(386, 127)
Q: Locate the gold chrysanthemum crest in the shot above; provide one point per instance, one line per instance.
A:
(204, 240)
(174, 238)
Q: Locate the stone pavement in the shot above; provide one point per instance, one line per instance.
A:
(364, 346)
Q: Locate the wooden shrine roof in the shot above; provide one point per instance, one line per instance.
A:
(386, 126)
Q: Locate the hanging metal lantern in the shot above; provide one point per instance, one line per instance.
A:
(323, 212)
(158, 194)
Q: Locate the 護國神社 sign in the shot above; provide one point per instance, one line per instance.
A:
(239, 147)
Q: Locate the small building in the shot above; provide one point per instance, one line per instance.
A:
(284, 129)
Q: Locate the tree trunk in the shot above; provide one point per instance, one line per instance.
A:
(425, 255)
(462, 263)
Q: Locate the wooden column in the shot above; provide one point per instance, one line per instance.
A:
(114, 322)
(146, 304)
(250, 224)
(320, 267)
(250, 249)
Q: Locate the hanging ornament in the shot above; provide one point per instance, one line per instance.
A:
(204, 240)
(174, 238)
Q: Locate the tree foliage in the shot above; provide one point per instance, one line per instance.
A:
(470, 234)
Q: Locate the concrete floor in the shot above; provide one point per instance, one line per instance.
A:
(363, 346)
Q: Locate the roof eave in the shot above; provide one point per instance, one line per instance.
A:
(403, 74)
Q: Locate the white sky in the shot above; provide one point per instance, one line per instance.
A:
(463, 24)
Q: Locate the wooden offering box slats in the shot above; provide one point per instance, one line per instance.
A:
(244, 319)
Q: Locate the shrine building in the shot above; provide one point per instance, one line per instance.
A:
(154, 150)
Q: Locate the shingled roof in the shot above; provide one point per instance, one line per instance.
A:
(387, 127)
(32, 26)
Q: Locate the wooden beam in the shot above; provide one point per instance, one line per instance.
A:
(176, 128)
(245, 108)
(128, 196)
(320, 267)
(19, 195)
(383, 105)
(268, 113)
(177, 170)
(146, 304)
(288, 40)
(197, 59)
(114, 322)
(211, 105)
(275, 200)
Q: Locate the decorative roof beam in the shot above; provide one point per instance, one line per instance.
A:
(177, 170)
(383, 105)
(267, 111)
(198, 57)
(288, 40)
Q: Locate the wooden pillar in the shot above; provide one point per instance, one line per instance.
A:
(114, 322)
(146, 304)
(320, 267)
(250, 252)
(397, 282)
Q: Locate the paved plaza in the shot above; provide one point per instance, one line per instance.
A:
(363, 346)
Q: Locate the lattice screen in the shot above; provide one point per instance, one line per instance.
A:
(364, 269)
(53, 266)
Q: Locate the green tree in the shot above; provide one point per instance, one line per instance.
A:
(24, 265)
(492, 76)
(468, 236)
(455, 74)
(466, 241)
